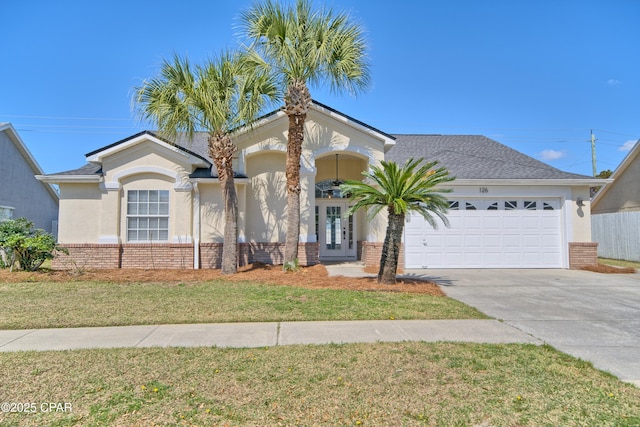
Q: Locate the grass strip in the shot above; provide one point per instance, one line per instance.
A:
(82, 304)
(409, 384)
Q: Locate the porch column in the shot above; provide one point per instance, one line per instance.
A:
(307, 206)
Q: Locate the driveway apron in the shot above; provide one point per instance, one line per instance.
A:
(592, 316)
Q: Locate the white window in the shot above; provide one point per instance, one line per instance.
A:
(6, 213)
(147, 215)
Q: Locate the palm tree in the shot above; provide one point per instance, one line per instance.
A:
(401, 190)
(216, 98)
(302, 47)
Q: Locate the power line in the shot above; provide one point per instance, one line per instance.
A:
(64, 118)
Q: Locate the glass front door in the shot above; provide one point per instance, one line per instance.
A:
(336, 232)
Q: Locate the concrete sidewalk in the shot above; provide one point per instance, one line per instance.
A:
(263, 334)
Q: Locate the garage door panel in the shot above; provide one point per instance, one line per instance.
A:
(511, 222)
(550, 241)
(491, 222)
(511, 241)
(472, 224)
(454, 241)
(472, 242)
(497, 234)
(492, 241)
(549, 222)
(530, 223)
(531, 241)
(491, 259)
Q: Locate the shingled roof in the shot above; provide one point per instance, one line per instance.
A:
(474, 157)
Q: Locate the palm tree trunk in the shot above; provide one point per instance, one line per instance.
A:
(297, 101)
(391, 249)
(230, 245)
(294, 152)
(221, 149)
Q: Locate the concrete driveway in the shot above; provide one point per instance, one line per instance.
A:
(592, 316)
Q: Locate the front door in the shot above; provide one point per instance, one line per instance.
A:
(336, 231)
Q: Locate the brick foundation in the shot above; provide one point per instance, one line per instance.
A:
(582, 254)
(173, 256)
(86, 255)
(372, 251)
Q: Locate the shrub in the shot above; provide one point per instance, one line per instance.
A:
(25, 247)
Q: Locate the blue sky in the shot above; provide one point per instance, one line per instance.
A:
(536, 75)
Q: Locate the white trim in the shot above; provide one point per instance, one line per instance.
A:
(74, 179)
(182, 239)
(196, 226)
(110, 186)
(109, 239)
(178, 185)
(591, 182)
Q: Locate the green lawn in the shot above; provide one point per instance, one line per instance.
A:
(394, 384)
(76, 304)
(384, 384)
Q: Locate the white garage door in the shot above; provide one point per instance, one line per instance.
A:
(498, 233)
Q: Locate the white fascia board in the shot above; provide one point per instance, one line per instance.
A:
(75, 179)
(99, 156)
(579, 182)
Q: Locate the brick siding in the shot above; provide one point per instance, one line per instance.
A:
(582, 254)
(372, 251)
(173, 255)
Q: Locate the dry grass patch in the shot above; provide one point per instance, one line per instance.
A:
(609, 269)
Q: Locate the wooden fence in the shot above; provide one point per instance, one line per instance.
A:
(617, 234)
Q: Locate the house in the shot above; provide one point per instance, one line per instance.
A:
(615, 211)
(21, 195)
(147, 202)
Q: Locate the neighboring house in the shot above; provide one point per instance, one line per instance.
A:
(615, 211)
(145, 202)
(21, 195)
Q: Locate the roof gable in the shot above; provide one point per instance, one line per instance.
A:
(97, 156)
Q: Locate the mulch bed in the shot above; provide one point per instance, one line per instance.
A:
(315, 277)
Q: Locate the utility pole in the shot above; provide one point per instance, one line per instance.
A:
(593, 153)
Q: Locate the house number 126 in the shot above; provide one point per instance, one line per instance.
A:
(484, 190)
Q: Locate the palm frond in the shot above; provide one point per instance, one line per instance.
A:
(309, 45)
(402, 190)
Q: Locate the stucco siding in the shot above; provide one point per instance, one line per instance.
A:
(20, 190)
(266, 198)
(146, 156)
(581, 215)
(211, 214)
(80, 213)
